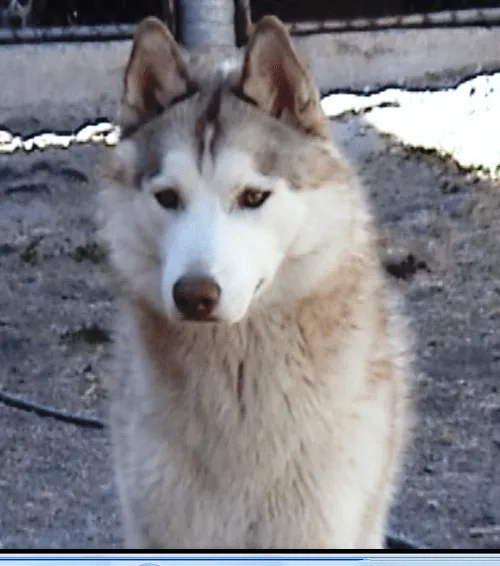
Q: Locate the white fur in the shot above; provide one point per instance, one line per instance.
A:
(238, 248)
(283, 424)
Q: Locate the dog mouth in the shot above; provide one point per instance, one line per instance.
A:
(259, 286)
(195, 319)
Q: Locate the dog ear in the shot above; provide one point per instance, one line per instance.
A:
(155, 76)
(274, 79)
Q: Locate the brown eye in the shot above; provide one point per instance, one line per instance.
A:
(168, 198)
(253, 198)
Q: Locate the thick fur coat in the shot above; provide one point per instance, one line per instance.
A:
(260, 388)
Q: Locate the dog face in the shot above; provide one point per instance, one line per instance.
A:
(225, 191)
(15, 13)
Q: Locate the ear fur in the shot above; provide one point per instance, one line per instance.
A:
(155, 77)
(276, 81)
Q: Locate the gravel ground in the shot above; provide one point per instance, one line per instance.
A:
(443, 241)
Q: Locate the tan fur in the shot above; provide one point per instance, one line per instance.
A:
(285, 429)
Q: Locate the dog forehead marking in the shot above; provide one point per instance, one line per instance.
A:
(206, 158)
(207, 129)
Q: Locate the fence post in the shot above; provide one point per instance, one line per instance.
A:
(168, 14)
(206, 22)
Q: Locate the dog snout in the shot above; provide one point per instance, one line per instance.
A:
(196, 297)
(15, 20)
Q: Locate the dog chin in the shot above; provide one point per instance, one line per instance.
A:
(220, 318)
(177, 319)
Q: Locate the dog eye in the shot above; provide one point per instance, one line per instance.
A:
(168, 198)
(253, 198)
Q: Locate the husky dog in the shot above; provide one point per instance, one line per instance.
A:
(260, 394)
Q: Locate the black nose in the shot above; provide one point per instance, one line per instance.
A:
(15, 21)
(196, 297)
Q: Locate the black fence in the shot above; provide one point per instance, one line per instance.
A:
(48, 13)
(317, 10)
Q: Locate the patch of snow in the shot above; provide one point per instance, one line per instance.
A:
(462, 122)
(103, 132)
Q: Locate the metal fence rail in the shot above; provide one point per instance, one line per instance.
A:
(229, 27)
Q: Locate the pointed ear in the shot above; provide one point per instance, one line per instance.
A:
(155, 76)
(276, 81)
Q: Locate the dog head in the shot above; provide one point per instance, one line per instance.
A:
(15, 13)
(225, 191)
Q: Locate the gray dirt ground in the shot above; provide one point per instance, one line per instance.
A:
(55, 314)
